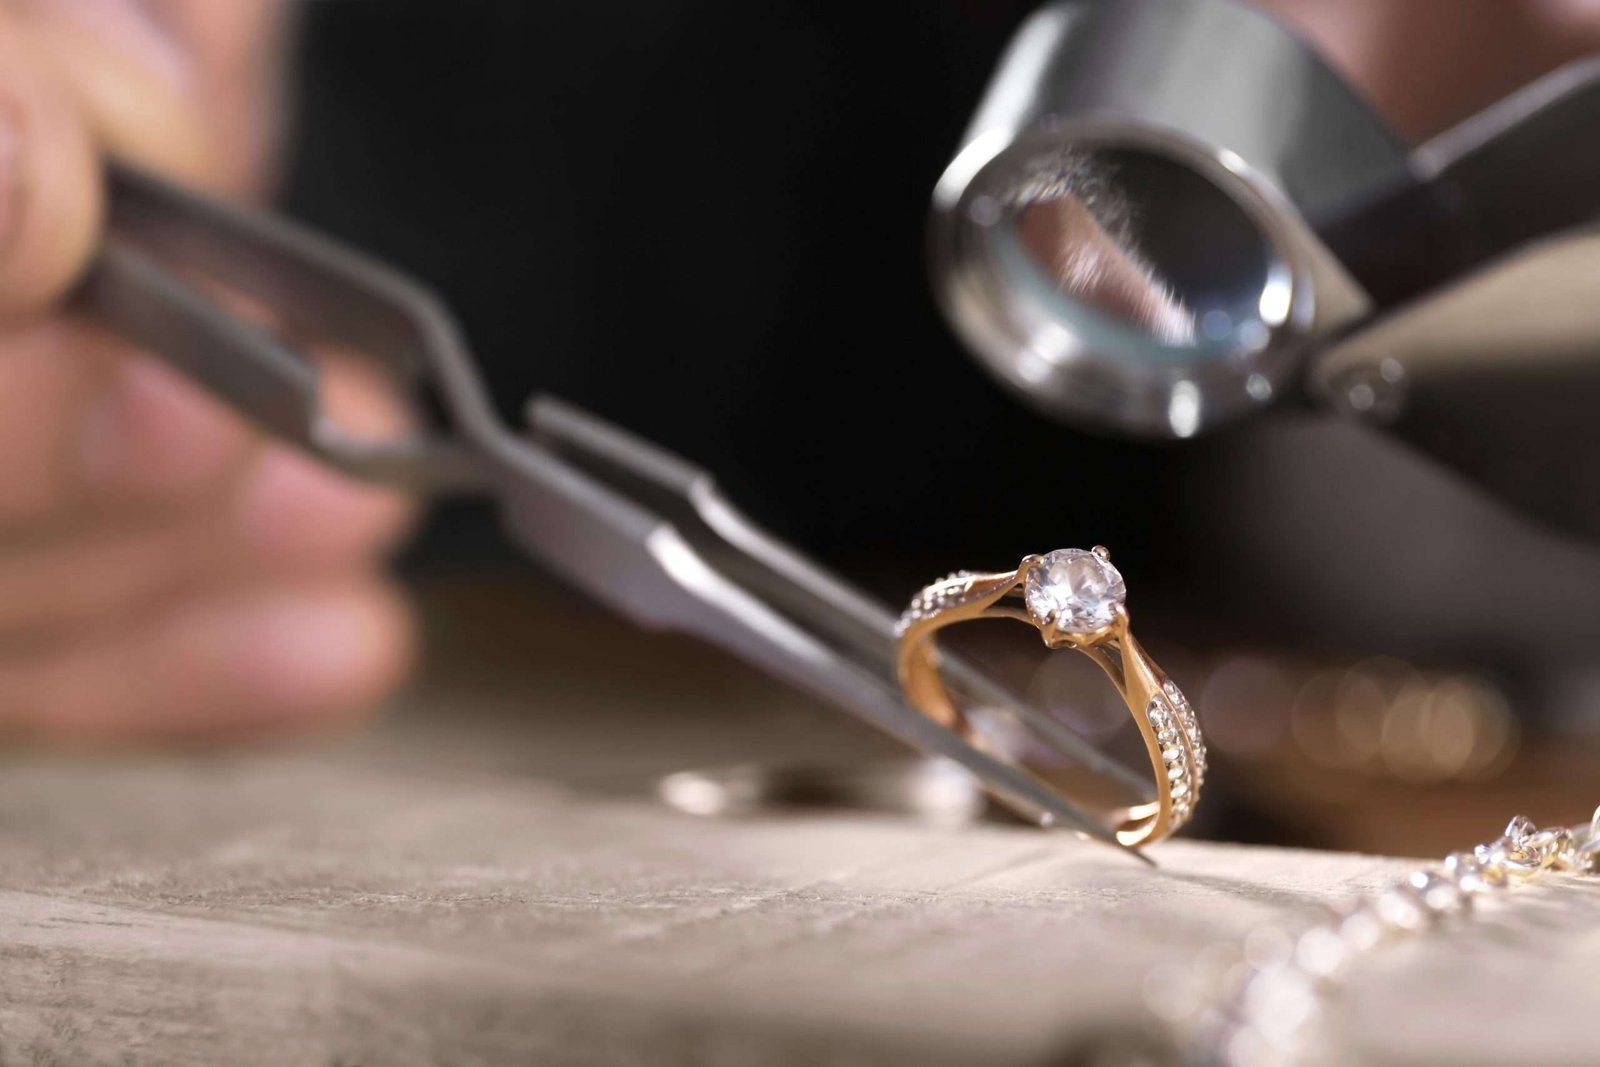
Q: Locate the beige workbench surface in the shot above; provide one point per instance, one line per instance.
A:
(482, 879)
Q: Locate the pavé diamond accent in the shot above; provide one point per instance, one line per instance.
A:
(1189, 722)
(954, 589)
(1182, 751)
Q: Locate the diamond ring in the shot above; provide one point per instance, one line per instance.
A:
(1074, 598)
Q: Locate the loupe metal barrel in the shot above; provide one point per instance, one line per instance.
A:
(1127, 236)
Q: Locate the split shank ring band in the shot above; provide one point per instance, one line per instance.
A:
(1074, 598)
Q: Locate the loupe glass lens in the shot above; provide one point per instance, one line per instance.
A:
(1124, 239)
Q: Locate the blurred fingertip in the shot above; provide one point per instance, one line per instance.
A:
(153, 432)
(51, 200)
(313, 658)
(294, 510)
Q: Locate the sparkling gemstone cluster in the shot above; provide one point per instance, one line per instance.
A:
(1190, 723)
(1183, 751)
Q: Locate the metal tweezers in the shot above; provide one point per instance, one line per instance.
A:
(635, 527)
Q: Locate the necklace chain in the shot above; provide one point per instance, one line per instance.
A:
(1274, 1000)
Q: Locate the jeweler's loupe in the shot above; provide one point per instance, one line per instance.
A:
(1122, 237)
(1117, 284)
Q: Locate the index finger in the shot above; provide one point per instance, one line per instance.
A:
(50, 182)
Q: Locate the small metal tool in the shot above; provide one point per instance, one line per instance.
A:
(638, 529)
(1166, 214)
(934, 791)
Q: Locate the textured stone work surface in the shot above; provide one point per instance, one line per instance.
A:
(281, 908)
(493, 886)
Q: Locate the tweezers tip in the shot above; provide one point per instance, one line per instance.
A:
(1104, 836)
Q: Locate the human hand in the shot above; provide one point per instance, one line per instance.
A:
(165, 572)
(1427, 64)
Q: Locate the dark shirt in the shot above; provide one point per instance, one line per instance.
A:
(705, 220)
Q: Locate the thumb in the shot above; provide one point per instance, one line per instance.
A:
(50, 183)
(131, 83)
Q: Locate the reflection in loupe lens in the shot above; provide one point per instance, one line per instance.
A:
(1150, 244)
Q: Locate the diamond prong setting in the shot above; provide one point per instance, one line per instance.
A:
(1074, 591)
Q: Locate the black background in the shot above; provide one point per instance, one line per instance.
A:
(705, 220)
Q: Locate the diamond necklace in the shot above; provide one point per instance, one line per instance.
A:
(1271, 1008)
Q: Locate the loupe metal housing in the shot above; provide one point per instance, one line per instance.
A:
(1123, 235)
(1167, 213)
